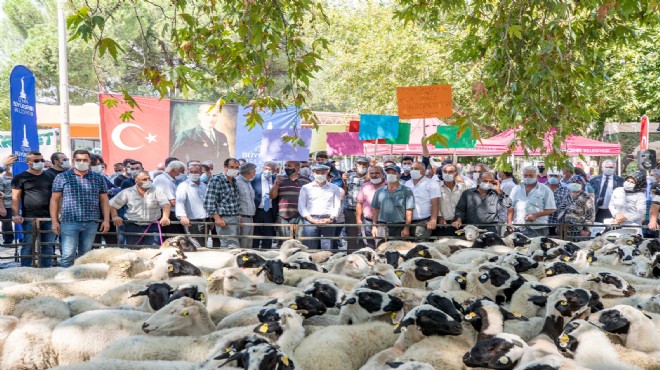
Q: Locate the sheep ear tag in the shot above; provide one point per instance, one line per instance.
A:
(563, 340)
(123, 265)
(245, 258)
(293, 306)
(170, 268)
(459, 233)
(186, 313)
(566, 259)
(398, 273)
(590, 259)
(548, 272)
(285, 360)
(470, 316)
(397, 317)
(263, 328)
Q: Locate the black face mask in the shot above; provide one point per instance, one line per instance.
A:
(289, 171)
(541, 169)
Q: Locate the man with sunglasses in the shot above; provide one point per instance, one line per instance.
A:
(480, 206)
(32, 190)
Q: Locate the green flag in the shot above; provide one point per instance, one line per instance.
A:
(404, 135)
(463, 142)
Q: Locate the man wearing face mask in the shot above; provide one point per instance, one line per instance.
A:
(31, 190)
(266, 212)
(451, 191)
(532, 204)
(541, 178)
(60, 164)
(393, 205)
(286, 192)
(81, 195)
(133, 168)
(97, 167)
(305, 171)
(562, 199)
(604, 185)
(363, 210)
(427, 200)
(406, 167)
(144, 204)
(166, 182)
(580, 210)
(190, 204)
(355, 181)
(480, 206)
(337, 175)
(126, 174)
(318, 204)
(246, 204)
(221, 203)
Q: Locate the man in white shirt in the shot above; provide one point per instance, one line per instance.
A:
(319, 204)
(451, 191)
(190, 204)
(533, 203)
(166, 183)
(427, 200)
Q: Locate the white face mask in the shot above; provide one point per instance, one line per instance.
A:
(180, 176)
(392, 178)
(320, 178)
(406, 168)
(82, 166)
(447, 178)
(38, 166)
(529, 181)
(485, 186)
(475, 176)
(97, 169)
(376, 181)
(304, 172)
(608, 171)
(628, 186)
(147, 185)
(266, 173)
(232, 172)
(416, 174)
(66, 165)
(194, 177)
(361, 170)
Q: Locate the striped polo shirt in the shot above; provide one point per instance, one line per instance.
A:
(288, 193)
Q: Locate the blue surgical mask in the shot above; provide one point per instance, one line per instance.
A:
(204, 177)
(529, 181)
(574, 187)
(553, 180)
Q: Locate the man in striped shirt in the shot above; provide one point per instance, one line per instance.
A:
(286, 190)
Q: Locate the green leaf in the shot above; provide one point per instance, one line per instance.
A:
(110, 102)
(126, 116)
(109, 45)
(515, 30)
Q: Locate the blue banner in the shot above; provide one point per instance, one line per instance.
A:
(248, 142)
(273, 148)
(23, 116)
(374, 127)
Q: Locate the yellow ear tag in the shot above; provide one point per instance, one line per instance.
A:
(459, 233)
(564, 339)
(285, 360)
(123, 265)
(186, 313)
(245, 258)
(202, 297)
(393, 315)
(263, 328)
(421, 253)
(461, 279)
(398, 273)
(589, 259)
(227, 349)
(630, 243)
(566, 259)
(547, 244)
(563, 303)
(170, 268)
(516, 314)
(293, 306)
(548, 272)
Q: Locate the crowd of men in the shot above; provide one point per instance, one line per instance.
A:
(249, 206)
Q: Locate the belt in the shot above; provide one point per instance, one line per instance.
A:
(422, 219)
(246, 216)
(369, 219)
(321, 216)
(229, 216)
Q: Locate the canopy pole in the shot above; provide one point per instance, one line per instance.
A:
(376, 148)
(618, 165)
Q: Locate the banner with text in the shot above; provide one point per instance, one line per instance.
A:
(424, 101)
(47, 142)
(345, 143)
(23, 115)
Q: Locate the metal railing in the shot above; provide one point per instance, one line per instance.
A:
(563, 231)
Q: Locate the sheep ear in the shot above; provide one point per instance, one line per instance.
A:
(302, 312)
(260, 271)
(274, 301)
(236, 356)
(538, 300)
(596, 279)
(347, 302)
(156, 255)
(141, 292)
(286, 264)
(512, 316)
(645, 314)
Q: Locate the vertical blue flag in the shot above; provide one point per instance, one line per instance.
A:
(24, 137)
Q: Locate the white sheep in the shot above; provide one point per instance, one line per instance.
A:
(231, 281)
(632, 326)
(25, 275)
(603, 283)
(353, 265)
(133, 365)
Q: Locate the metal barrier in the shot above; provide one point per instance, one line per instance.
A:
(563, 231)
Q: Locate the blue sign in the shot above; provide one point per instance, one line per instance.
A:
(374, 127)
(24, 137)
(273, 148)
(248, 142)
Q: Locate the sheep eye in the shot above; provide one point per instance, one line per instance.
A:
(231, 277)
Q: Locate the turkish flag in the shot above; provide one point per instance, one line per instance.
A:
(354, 126)
(145, 138)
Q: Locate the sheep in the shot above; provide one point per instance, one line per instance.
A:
(415, 272)
(308, 305)
(603, 283)
(325, 291)
(84, 272)
(441, 352)
(103, 255)
(80, 304)
(453, 281)
(262, 355)
(343, 282)
(231, 281)
(636, 330)
(182, 242)
(26, 275)
(487, 318)
(470, 232)
(503, 350)
(132, 365)
(220, 306)
(354, 265)
(530, 292)
(362, 304)
(471, 257)
(29, 345)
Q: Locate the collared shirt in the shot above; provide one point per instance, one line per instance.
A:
(288, 195)
(472, 208)
(266, 185)
(246, 204)
(450, 198)
(365, 196)
(5, 185)
(190, 200)
(138, 207)
(80, 195)
(392, 205)
(631, 205)
(166, 184)
(580, 210)
(562, 202)
(354, 183)
(507, 186)
(424, 192)
(318, 200)
(222, 196)
(538, 199)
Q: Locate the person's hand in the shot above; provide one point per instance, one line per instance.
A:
(442, 221)
(510, 228)
(653, 225)
(619, 218)
(278, 181)
(185, 221)
(405, 232)
(457, 224)
(374, 231)
(55, 226)
(530, 218)
(17, 219)
(432, 224)
(118, 221)
(220, 222)
(9, 160)
(164, 221)
(105, 226)
(496, 187)
(344, 176)
(358, 221)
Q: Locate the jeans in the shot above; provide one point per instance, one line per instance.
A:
(232, 241)
(310, 230)
(285, 230)
(532, 233)
(77, 239)
(46, 236)
(130, 227)
(352, 231)
(369, 240)
(7, 227)
(264, 217)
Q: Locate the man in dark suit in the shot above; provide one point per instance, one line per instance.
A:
(266, 208)
(203, 142)
(603, 186)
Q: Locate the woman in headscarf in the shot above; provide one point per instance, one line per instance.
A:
(580, 210)
(628, 203)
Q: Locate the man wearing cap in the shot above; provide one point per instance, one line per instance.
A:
(285, 192)
(427, 200)
(363, 210)
(337, 175)
(353, 184)
(562, 199)
(604, 185)
(319, 204)
(246, 203)
(451, 191)
(393, 205)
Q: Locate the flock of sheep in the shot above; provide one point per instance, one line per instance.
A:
(478, 302)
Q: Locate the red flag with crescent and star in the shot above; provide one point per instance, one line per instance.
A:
(145, 137)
